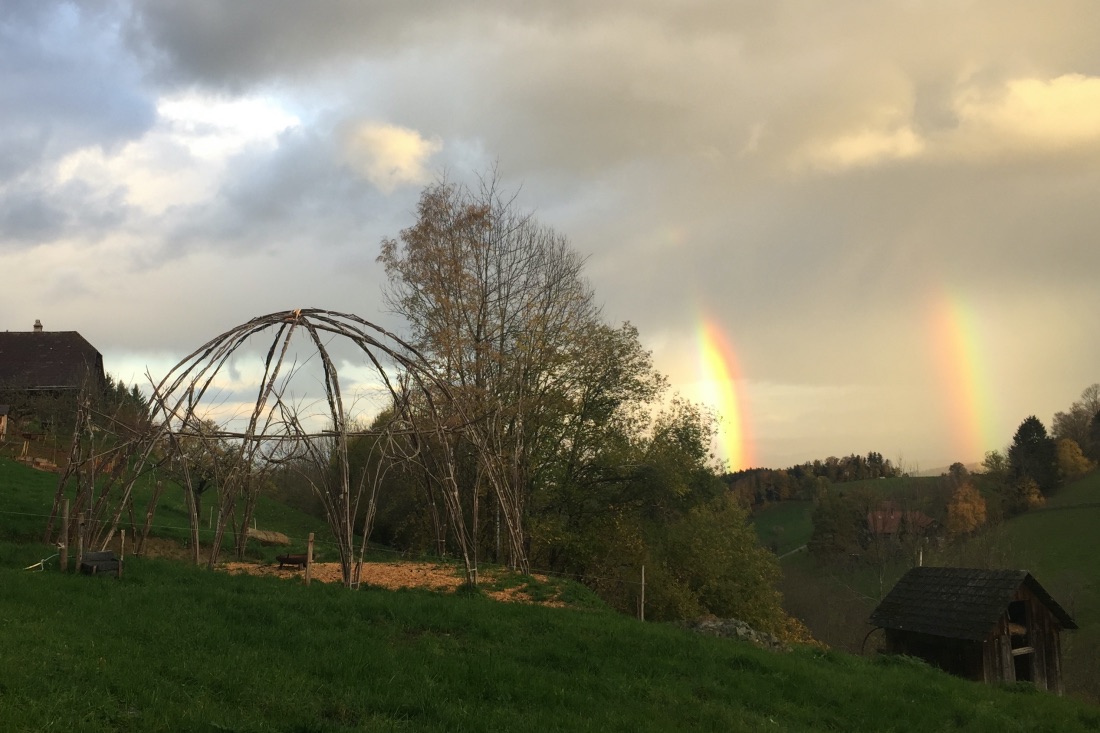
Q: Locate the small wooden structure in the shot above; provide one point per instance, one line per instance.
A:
(101, 563)
(299, 561)
(984, 625)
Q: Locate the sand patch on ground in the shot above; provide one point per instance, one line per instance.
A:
(396, 575)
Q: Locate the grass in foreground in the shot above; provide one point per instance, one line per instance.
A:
(171, 647)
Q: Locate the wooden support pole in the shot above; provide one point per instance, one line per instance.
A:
(121, 551)
(641, 600)
(63, 551)
(309, 558)
(79, 540)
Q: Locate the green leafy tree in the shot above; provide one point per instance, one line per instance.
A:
(566, 416)
(958, 473)
(996, 463)
(592, 454)
(839, 524)
(714, 565)
(1092, 447)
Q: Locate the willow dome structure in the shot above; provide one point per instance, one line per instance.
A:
(303, 412)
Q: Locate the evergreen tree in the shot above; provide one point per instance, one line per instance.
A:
(1033, 455)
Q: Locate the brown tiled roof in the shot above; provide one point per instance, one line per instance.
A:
(958, 603)
(46, 359)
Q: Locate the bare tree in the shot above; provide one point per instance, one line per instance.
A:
(1074, 424)
(496, 302)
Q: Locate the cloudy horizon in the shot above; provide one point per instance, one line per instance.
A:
(887, 210)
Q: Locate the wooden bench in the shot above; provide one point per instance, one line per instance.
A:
(101, 563)
(298, 561)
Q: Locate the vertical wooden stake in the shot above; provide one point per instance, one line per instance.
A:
(79, 540)
(641, 603)
(63, 551)
(309, 558)
(121, 551)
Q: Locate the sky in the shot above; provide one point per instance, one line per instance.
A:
(846, 226)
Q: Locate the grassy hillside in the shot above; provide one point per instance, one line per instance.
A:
(784, 526)
(888, 487)
(1059, 544)
(175, 648)
(787, 525)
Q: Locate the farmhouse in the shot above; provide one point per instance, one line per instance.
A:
(887, 520)
(51, 361)
(42, 371)
(985, 625)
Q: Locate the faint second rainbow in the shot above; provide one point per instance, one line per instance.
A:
(723, 387)
(960, 354)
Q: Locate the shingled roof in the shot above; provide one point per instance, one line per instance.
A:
(957, 603)
(47, 360)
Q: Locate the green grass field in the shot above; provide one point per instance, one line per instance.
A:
(786, 524)
(888, 487)
(174, 648)
(28, 498)
(171, 647)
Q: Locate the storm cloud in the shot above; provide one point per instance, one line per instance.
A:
(816, 179)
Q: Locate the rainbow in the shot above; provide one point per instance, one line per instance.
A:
(958, 348)
(722, 386)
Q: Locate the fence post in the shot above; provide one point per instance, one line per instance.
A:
(63, 551)
(641, 601)
(309, 558)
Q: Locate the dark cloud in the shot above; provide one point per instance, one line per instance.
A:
(812, 178)
(27, 217)
(65, 84)
(35, 214)
(237, 44)
(299, 194)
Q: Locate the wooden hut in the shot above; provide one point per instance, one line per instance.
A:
(985, 625)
